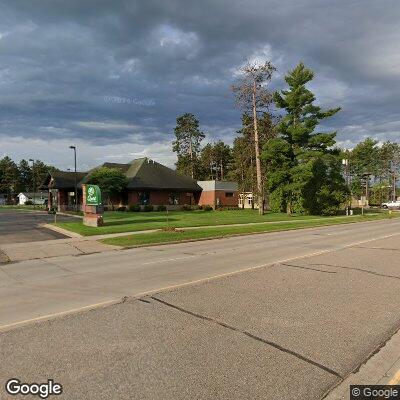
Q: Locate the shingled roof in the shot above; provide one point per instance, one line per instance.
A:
(142, 174)
(148, 174)
(63, 179)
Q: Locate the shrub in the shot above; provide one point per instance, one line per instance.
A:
(161, 208)
(122, 208)
(148, 208)
(207, 208)
(134, 208)
(29, 203)
(186, 207)
(223, 208)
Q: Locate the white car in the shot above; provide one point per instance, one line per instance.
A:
(391, 204)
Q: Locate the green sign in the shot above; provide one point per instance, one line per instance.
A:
(93, 195)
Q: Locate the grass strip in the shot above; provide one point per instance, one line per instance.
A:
(162, 237)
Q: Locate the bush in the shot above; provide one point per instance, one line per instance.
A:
(207, 208)
(224, 208)
(134, 208)
(161, 208)
(122, 208)
(186, 207)
(29, 203)
(148, 208)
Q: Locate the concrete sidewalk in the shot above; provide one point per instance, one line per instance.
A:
(52, 248)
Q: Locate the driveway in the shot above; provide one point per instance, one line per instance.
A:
(24, 226)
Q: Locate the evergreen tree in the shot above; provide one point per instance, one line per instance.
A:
(215, 160)
(9, 177)
(187, 144)
(304, 170)
(25, 176)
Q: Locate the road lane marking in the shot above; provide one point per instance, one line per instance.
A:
(396, 379)
(176, 286)
(59, 314)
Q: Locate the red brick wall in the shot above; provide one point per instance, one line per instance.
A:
(226, 201)
(160, 197)
(133, 198)
(62, 199)
(207, 198)
(210, 198)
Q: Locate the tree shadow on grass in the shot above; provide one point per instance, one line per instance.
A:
(141, 221)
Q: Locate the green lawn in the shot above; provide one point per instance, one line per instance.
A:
(119, 222)
(209, 233)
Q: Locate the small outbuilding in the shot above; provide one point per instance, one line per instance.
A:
(38, 198)
(218, 193)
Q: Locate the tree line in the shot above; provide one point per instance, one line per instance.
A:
(282, 157)
(21, 177)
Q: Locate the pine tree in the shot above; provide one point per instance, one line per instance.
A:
(304, 170)
(187, 144)
(9, 177)
(253, 96)
(243, 165)
(25, 176)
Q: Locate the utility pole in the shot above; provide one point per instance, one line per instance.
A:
(33, 179)
(76, 187)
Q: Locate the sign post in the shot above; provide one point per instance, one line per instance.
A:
(92, 206)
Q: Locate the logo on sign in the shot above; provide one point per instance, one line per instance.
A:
(93, 196)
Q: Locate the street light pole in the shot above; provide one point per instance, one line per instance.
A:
(345, 163)
(33, 179)
(76, 187)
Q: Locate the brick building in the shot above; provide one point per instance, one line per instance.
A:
(148, 183)
(218, 193)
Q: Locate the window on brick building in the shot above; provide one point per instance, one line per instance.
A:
(173, 198)
(228, 194)
(144, 198)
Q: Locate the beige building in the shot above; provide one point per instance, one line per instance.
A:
(246, 200)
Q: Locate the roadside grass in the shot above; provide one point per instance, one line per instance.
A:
(162, 237)
(120, 222)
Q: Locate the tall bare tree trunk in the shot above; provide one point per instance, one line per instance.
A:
(260, 193)
(191, 157)
(394, 181)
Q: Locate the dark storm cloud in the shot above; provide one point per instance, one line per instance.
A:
(117, 73)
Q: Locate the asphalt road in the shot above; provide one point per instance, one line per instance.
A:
(20, 226)
(317, 304)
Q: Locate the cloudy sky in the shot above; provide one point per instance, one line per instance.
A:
(112, 76)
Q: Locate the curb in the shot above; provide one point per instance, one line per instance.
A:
(62, 231)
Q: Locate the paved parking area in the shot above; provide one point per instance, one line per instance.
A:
(289, 330)
(24, 226)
